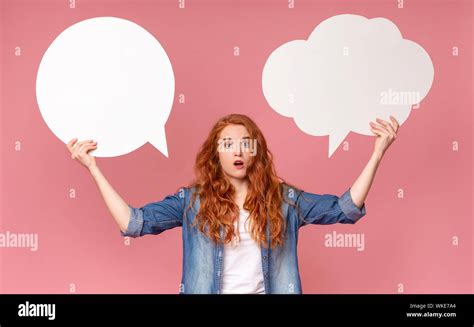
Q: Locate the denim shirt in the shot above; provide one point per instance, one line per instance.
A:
(203, 259)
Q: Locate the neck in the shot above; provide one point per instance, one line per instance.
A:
(240, 186)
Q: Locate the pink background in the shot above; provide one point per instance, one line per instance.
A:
(407, 241)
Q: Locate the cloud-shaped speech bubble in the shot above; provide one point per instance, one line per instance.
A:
(109, 80)
(350, 71)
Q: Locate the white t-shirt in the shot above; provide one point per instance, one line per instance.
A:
(242, 271)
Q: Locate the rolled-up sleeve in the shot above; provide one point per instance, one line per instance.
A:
(156, 217)
(328, 209)
(351, 211)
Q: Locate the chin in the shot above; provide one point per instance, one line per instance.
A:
(241, 175)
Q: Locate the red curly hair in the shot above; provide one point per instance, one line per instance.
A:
(264, 196)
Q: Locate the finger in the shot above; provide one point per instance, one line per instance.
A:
(82, 147)
(79, 149)
(376, 132)
(379, 127)
(78, 145)
(87, 145)
(71, 143)
(82, 142)
(395, 123)
(87, 148)
(390, 127)
(387, 125)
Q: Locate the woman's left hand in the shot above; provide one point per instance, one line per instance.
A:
(386, 133)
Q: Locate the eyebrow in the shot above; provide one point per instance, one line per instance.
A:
(228, 138)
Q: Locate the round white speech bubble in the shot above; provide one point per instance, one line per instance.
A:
(109, 80)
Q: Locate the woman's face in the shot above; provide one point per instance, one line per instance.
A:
(235, 149)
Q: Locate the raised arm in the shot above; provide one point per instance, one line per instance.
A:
(118, 208)
(116, 205)
(152, 218)
(386, 133)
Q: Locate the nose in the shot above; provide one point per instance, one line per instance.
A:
(238, 151)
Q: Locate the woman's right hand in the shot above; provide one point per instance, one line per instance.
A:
(79, 151)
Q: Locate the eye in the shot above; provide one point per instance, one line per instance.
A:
(227, 144)
(246, 143)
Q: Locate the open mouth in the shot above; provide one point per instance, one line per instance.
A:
(238, 163)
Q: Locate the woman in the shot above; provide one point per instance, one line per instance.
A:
(240, 220)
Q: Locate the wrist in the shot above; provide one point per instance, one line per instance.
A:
(93, 169)
(377, 155)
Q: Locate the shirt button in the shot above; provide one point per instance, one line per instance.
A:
(264, 257)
